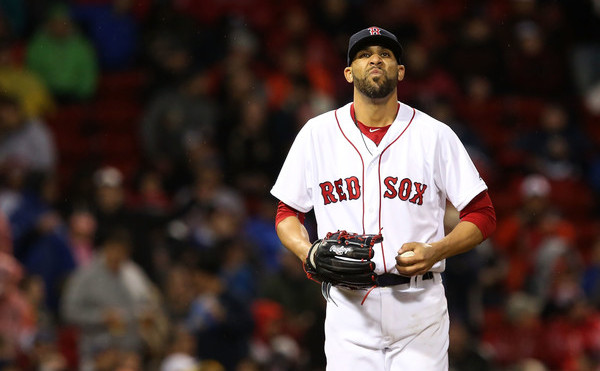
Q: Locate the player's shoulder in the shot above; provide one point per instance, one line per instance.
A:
(426, 119)
(430, 124)
(324, 121)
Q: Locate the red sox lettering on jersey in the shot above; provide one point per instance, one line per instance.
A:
(349, 189)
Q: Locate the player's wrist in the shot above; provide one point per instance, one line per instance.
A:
(304, 250)
(437, 250)
(310, 253)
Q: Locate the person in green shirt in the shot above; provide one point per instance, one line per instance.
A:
(63, 58)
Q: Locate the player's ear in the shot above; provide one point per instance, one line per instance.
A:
(400, 72)
(348, 74)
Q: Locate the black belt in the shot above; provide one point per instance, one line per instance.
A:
(389, 279)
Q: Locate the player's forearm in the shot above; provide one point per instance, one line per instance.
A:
(462, 238)
(294, 236)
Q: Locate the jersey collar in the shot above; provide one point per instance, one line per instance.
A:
(401, 122)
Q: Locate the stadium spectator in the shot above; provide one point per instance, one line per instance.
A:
(557, 148)
(572, 335)
(63, 58)
(480, 103)
(307, 53)
(260, 234)
(427, 81)
(6, 241)
(168, 51)
(477, 52)
(464, 352)
(533, 67)
(250, 145)
(82, 230)
(520, 236)
(110, 209)
(237, 269)
(40, 236)
(180, 353)
(24, 142)
(178, 289)
(590, 279)
(290, 306)
(19, 81)
(12, 182)
(149, 193)
(15, 14)
(17, 319)
(583, 21)
(172, 117)
(215, 209)
(272, 346)
(221, 323)
(113, 303)
(518, 334)
(114, 31)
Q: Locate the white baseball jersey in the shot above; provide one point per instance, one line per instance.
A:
(399, 187)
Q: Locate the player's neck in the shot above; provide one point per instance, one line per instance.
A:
(375, 112)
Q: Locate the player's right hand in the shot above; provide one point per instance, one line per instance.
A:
(420, 263)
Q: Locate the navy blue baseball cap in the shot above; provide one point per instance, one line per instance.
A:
(373, 36)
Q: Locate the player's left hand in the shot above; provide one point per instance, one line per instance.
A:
(343, 259)
(421, 260)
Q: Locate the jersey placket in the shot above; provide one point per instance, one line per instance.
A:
(371, 193)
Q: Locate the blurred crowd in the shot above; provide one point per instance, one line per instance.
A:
(139, 140)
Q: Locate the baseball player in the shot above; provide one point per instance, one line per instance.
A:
(379, 172)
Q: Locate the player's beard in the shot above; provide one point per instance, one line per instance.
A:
(375, 90)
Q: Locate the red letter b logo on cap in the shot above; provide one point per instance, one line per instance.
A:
(374, 31)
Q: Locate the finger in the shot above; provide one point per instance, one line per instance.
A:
(405, 262)
(406, 271)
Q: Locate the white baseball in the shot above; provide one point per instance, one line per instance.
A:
(407, 254)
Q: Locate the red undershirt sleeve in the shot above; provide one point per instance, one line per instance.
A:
(283, 211)
(480, 212)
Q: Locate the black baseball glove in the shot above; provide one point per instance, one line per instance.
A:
(343, 259)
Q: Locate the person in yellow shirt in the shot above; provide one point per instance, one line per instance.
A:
(22, 83)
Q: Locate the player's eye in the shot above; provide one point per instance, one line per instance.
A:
(385, 54)
(364, 54)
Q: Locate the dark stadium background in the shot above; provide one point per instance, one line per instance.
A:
(169, 120)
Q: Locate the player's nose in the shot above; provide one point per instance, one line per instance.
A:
(375, 59)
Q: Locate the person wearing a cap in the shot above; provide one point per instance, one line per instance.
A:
(377, 165)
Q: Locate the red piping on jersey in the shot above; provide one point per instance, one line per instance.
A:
(379, 176)
(363, 169)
